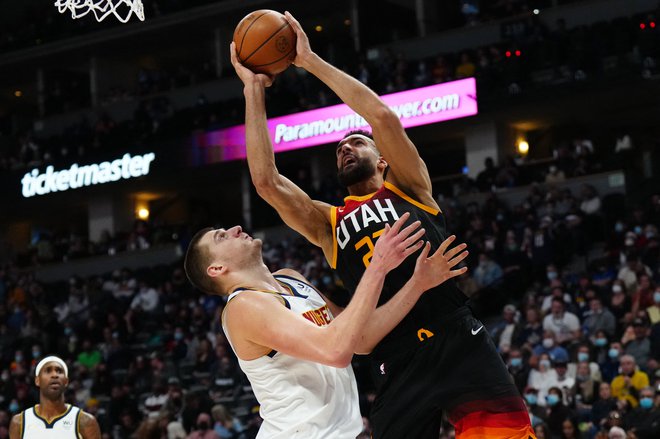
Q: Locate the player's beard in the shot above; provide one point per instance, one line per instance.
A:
(361, 171)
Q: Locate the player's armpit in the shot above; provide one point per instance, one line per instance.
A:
(89, 427)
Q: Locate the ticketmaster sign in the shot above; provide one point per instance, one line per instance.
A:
(420, 106)
(36, 183)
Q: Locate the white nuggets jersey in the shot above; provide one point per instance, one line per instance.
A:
(299, 398)
(62, 427)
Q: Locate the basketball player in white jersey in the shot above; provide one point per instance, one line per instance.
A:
(293, 346)
(52, 418)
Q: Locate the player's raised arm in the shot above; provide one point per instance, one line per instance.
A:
(308, 217)
(407, 169)
(262, 320)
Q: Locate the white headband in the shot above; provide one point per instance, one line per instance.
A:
(54, 359)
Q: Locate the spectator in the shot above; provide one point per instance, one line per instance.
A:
(226, 426)
(488, 271)
(599, 318)
(504, 331)
(90, 357)
(637, 343)
(549, 347)
(156, 400)
(486, 178)
(557, 411)
(554, 175)
(609, 365)
(620, 302)
(543, 378)
(466, 68)
(584, 356)
(629, 382)
(645, 419)
(604, 405)
(569, 429)
(518, 368)
(564, 324)
(532, 333)
(564, 382)
(585, 391)
(203, 428)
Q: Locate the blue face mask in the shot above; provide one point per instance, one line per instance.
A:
(552, 275)
(583, 356)
(531, 398)
(545, 363)
(646, 403)
(552, 399)
(613, 353)
(656, 297)
(516, 362)
(68, 331)
(13, 407)
(600, 342)
(178, 336)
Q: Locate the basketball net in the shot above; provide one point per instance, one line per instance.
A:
(122, 9)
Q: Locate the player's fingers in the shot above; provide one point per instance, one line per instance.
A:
(425, 252)
(412, 239)
(232, 52)
(454, 273)
(293, 22)
(455, 250)
(445, 243)
(399, 223)
(412, 249)
(454, 261)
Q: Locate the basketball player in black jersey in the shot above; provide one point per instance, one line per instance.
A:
(439, 357)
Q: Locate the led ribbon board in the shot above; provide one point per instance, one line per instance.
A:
(421, 106)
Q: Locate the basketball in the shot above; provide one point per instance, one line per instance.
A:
(265, 42)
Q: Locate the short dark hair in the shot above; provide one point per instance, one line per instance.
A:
(361, 133)
(196, 261)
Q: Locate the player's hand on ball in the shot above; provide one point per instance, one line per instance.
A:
(396, 244)
(303, 49)
(246, 75)
(431, 271)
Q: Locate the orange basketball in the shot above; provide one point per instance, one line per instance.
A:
(265, 42)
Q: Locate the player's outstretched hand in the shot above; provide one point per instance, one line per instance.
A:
(431, 271)
(303, 49)
(246, 75)
(396, 244)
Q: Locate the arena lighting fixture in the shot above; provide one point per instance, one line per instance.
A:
(523, 147)
(143, 213)
(318, 28)
(18, 93)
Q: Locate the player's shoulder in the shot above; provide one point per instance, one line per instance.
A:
(288, 272)
(250, 302)
(86, 418)
(17, 419)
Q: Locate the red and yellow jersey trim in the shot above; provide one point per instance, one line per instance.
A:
(333, 224)
(433, 211)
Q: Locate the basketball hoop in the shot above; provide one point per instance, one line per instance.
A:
(122, 9)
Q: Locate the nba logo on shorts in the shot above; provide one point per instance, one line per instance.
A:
(382, 368)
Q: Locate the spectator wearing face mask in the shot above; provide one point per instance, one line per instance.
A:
(557, 411)
(644, 421)
(487, 272)
(203, 428)
(627, 385)
(531, 332)
(518, 368)
(583, 355)
(609, 366)
(536, 413)
(564, 381)
(549, 346)
(542, 378)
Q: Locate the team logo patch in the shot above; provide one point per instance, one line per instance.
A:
(424, 334)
